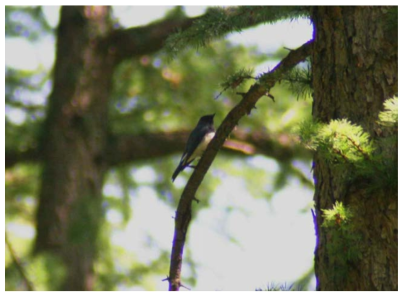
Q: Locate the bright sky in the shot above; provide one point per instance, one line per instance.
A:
(274, 241)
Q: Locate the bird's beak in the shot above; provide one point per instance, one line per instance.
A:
(213, 115)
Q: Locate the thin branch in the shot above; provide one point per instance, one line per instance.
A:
(339, 153)
(184, 214)
(358, 147)
(19, 266)
(305, 181)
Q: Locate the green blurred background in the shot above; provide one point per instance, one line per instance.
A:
(254, 211)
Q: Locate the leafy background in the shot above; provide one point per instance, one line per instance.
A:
(254, 211)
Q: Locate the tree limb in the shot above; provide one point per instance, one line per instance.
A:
(130, 148)
(184, 214)
(124, 149)
(123, 44)
(14, 157)
(128, 43)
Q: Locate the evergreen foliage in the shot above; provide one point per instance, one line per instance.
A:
(344, 239)
(219, 21)
(282, 287)
(389, 117)
(336, 216)
(298, 80)
(235, 80)
(348, 145)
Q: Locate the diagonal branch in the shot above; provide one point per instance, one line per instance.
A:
(19, 265)
(183, 215)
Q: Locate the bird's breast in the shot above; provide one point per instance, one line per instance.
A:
(202, 146)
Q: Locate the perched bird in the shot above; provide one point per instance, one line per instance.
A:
(197, 142)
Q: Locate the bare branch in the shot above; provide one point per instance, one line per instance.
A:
(184, 214)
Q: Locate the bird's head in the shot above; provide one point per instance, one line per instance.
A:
(207, 119)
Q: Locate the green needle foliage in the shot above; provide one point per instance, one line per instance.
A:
(390, 116)
(337, 216)
(348, 145)
(236, 79)
(340, 141)
(281, 287)
(298, 81)
(344, 238)
(219, 21)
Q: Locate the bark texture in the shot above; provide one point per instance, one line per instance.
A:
(354, 65)
(69, 210)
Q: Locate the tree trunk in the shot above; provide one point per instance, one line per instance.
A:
(74, 143)
(354, 64)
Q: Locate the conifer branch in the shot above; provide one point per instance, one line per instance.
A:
(358, 147)
(184, 211)
(339, 153)
(217, 22)
(299, 81)
(235, 80)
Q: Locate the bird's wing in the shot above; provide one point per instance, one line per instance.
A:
(193, 141)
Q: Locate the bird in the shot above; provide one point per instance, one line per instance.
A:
(197, 142)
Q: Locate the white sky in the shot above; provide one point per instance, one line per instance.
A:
(275, 240)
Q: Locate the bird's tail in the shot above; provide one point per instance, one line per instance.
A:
(177, 171)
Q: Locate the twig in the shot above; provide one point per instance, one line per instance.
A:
(358, 147)
(234, 84)
(301, 176)
(19, 266)
(184, 214)
(338, 152)
(270, 96)
(185, 287)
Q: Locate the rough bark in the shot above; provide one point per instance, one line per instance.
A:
(69, 210)
(354, 65)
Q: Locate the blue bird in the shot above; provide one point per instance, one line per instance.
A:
(197, 142)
